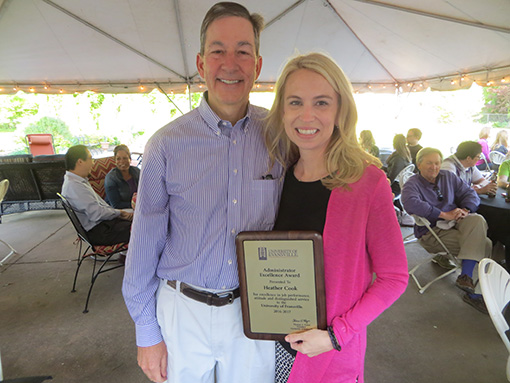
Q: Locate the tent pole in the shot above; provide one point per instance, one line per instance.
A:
(169, 99)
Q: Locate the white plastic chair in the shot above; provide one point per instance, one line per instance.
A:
(496, 157)
(421, 221)
(4, 185)
(405, 174)
(495, 285)
(402, 178)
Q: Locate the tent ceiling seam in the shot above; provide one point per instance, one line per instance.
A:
(359, 39)
(4, 4)
(282, 14)
(114, 39)
(181, 38)
(437, 16)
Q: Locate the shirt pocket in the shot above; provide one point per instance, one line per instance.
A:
(262, 204)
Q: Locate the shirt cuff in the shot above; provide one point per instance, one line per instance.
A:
(148, 334)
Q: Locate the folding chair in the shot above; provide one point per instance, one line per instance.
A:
(421, 221)
(495, 284)
(4, 186)
(105, 252)
(496, 157)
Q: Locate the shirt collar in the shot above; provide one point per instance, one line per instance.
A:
(459, 164)
(76, 176)
(214, 121)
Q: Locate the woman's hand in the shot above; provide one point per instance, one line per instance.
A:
(311, 343)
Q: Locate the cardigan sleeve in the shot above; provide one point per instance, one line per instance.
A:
(386, 258)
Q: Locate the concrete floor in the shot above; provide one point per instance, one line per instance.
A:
(434, 337)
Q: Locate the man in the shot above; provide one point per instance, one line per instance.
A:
(104, 224)
(205, 178)
(463, 162)
(413, 136)
(445, 200)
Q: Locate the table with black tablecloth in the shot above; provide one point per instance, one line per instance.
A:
(496, 212)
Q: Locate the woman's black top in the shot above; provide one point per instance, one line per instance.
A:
(303, 206)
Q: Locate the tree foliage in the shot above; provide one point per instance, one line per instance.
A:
(14, 110)
(497, 102)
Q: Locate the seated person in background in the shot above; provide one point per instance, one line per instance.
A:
(367, 142)
(501, 142)
(504, 173)
(445, 200)
(462, 163)
(483, 140)
(121, 182)
(413, 137)
(397, 161)
(104, 224)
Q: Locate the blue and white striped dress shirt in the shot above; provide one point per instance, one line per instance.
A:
(198, 189)
(89, 207)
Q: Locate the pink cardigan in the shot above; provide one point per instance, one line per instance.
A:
(361, 237)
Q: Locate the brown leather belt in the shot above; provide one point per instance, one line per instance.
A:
(210, 299)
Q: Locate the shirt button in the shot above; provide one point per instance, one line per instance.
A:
(234, 142)
(229, 261)
(234, 201)
(218, 133)
(235, 171)
(223, 287)
(233, 231)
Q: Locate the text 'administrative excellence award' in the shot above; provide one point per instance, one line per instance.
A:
(281, 278)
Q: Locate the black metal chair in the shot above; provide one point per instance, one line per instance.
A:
(100, 253)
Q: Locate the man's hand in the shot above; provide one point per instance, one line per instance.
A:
(126, 215)
(491, 187)
(153, 361)
(455, 214)
(311, 342)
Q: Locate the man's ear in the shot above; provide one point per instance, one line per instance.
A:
(258, 67)
(200, 65)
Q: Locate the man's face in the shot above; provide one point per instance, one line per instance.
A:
(411, 139)
(229, 64)
(85, 166)
(471, 161)
(429, 166)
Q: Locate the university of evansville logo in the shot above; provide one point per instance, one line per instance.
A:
(262, 253)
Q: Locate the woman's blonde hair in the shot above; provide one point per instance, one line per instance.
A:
(485, 132)
(501, 139)
(345, 159)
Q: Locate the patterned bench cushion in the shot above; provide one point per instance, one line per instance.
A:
(101, 168)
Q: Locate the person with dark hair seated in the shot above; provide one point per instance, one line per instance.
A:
(397, 161)
(462, 163)
(104, 224)
(121, 182)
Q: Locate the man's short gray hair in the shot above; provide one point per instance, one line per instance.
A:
(425, 152)
(225, 9)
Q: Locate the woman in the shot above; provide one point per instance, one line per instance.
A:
(367, 142)
(397, 161)
(121, 182)
(333, 186)
(501, 142)
(483, 140)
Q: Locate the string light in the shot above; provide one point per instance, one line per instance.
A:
(141, 87)
(32, 90)
(61, 90)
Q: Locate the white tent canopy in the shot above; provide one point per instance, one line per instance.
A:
(116, 46)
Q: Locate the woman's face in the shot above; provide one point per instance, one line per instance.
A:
(122, 160)
(310, 109)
